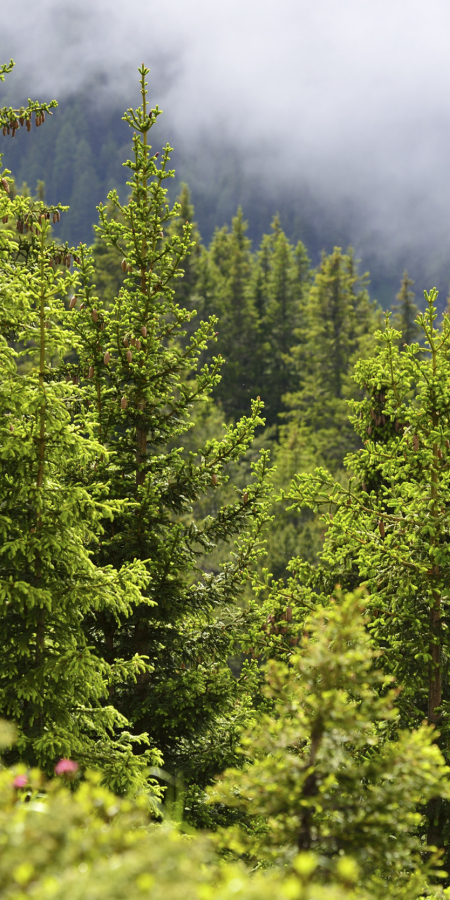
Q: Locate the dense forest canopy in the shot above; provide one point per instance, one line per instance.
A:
(224, 562)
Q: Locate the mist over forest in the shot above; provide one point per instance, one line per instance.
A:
(79, 157)
(339, 123)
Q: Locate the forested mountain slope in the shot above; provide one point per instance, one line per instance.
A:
(79, 156)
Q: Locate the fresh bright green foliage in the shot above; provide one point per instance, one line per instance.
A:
(320, 775)
(93, 845)
(390, 526)
(52, 684)
(88, 843)
(13, 119)
(140, 380)
(130, 523)
(398, 535)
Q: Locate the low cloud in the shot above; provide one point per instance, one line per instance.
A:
(349, 101)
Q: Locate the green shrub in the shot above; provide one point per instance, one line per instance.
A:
(88, 844)
(322, 772)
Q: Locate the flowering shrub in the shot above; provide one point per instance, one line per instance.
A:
(66, 767)
(91, 844)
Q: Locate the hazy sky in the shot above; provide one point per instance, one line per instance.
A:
(351, 96)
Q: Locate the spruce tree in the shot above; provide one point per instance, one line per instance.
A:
(52, 685)
(405, 313)
(227, 281)
(338, 324)
(391, 529)
(320, 775)
(185, 286)
(281, 280)
(140, 375)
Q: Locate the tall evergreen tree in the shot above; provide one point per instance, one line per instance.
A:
(52, 685)
(141, 378)
(405, 313)
(319, 774)
(280, 283)
(227, 280)
(338, 324)
(393, 532)
(185, 287)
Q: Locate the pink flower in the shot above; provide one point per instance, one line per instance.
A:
(20, 781)
(66, 766)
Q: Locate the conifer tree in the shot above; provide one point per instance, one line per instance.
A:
(405, 313)
(392, 530)
(52, 685)
(185, 286)
(228, 283)
(109, 278)
(339, 320)
(140, 375)
(281, 280)
(320, 776)
(336, 327)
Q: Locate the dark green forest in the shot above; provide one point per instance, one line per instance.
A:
(79, 157)
(224, 525)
